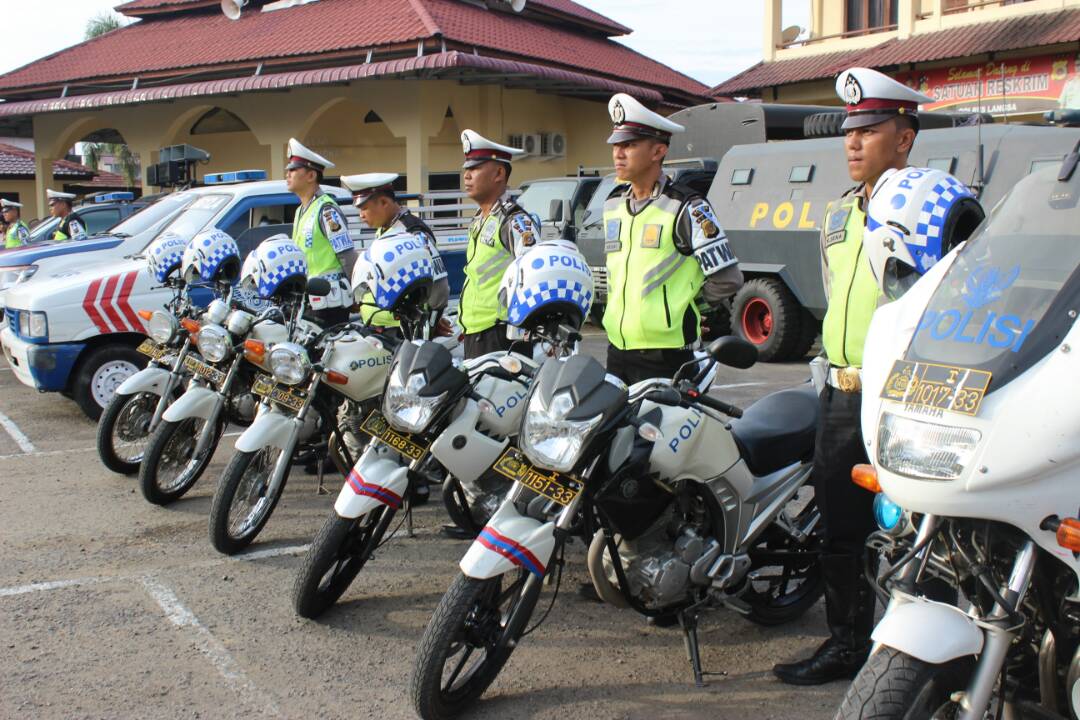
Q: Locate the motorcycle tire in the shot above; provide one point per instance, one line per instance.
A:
(470, 610)
(337, 554)
(122, 434)
(770, 609)
(159, 489)
(895, 686)
(227, 534)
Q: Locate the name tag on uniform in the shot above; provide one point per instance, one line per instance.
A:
(650, 236)
(611, 246)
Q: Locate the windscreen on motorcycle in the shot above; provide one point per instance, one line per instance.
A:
(1011, 295)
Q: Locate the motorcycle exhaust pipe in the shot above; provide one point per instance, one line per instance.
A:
(1073, 683)
(1048, 679)
(607, 592)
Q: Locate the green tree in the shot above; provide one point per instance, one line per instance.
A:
(103, 23)
(129, 166)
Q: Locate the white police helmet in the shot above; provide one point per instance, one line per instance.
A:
(165, 254)
(396, 269)
(211, 256)
(277, 266)
(551, 282)
(915, 217)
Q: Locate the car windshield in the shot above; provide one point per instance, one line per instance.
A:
(156, 213)
(44, 230)
(199, 210)
(536, 199)
(1010, 295)
(595, 211)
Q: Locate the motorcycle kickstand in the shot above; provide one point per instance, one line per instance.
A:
(408, 519)
(688, 619)
(321, 490)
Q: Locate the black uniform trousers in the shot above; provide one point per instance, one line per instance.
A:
(633, 366)
(487, 341)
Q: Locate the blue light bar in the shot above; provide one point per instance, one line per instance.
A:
(237, 176)
(114, 197)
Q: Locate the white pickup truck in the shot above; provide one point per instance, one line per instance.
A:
(73, 327)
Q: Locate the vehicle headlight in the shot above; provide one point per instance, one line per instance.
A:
(548, 439)
(405, 410)
(924, 450)
(216, 311)
(163, 327)
(214, 343)
(33, 324)
(16, 274)
(289, 363)
(890, 517)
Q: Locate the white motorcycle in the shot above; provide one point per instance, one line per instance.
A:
(973, 435)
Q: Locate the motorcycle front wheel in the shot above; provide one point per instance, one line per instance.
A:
(170, 468)
(124, 431)
(243, 501)
(468, 640)
(337, 554)
(895, 686)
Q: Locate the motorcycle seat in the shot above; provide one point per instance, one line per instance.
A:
(778, 429)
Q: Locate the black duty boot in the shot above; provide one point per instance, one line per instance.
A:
(849, 610)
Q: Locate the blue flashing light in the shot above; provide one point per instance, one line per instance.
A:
(114, 197)
(887, 513)
(237, 176)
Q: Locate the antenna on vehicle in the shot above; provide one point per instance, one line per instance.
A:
(977, 186)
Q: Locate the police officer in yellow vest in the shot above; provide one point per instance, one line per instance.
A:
(374, 197)
(70, 228)
(879, 131)
(664, 248)
(501, 231)
(320, 230)
(16, 233)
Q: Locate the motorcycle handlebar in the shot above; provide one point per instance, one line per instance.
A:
(718, 405)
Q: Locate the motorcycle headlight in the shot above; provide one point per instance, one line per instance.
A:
(289, 363)
(214, 343)
(239, 322)
(162, 327)
(216, 312)
(924, 450)
(405, 410)
(548, 439)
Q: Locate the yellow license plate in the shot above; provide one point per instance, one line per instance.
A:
(151, 349)
(377, 427)
(199, 368)
(938, 387)
(265, 386)
(559, 488)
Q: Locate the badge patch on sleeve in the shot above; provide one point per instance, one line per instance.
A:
(336, 228)
(650, 236)
(705, 220)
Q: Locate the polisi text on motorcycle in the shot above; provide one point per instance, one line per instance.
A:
(370, 362)
(984, 286)
(686, 430)
(511, 402)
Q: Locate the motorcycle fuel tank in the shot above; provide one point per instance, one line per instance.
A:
(364, 361)
(693, 444)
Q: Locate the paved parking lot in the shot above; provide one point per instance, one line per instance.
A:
(111, 607)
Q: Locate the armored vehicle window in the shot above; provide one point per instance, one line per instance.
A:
(98, 221)
(801, 173)
(945, 164)
(742, 176)
(1044, 162)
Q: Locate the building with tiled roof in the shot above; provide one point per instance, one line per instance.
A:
(17, 178)
(372, 84)
(1012, 59)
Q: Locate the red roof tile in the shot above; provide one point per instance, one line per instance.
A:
(15, 160)
(163, 44)
(782, 72)
(107, 180)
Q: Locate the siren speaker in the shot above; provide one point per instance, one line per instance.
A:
(232, 8)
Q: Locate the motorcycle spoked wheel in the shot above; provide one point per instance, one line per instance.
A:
(478, 620)
(339, 551)
(780, 593)
(242, 504)
(169, 469)
(124, 431)
(895, 686)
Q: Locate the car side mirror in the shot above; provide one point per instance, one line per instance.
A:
(319, 287)
(734, 352)
(556, 210)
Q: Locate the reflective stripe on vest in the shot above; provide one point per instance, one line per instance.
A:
(309, 237)
(651, 285)
(854, 293)
(485, 260)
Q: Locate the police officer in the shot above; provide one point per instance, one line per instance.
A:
(879, 131)
(16, 234)
(374, 197)
(500, 231)
(320, 230)
(70, 227)
(664, 246)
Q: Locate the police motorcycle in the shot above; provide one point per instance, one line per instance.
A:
(219, 391)
(685, 509)
(459, 417)
(972, 432)
(139, 402)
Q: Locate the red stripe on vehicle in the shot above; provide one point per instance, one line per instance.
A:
(107, 298)
(89, 308)
(134, 320)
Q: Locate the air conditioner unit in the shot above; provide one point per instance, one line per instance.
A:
(553, 145)
(514, 140)
(531, 144)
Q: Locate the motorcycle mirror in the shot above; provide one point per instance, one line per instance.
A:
(319, 287)
(734, 352)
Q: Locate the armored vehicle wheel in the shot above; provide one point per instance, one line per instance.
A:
(765, 313)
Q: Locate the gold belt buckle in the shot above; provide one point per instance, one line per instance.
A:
(848, 379)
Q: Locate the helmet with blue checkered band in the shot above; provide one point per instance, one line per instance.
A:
(396, 269)
(549, 284)
(165, 254)
(212, 256)
(275, 268)
(915, 217)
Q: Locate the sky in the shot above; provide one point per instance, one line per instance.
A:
(708, 40)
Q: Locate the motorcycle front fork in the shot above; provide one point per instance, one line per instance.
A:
(210, 426)
(170, 384)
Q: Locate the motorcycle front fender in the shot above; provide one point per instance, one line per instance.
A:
(271, 429)
(510, 540)
(375, 480)
(197, 402)
(929, 631)
(151, 379)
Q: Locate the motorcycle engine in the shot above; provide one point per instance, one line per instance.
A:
(242, 408)
(657, 564)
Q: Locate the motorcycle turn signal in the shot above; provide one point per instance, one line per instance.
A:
(865, 476)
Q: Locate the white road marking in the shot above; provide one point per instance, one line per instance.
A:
(16, 434)
(210, 646)
(47, 453)
(273, 552)
(53, 585)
